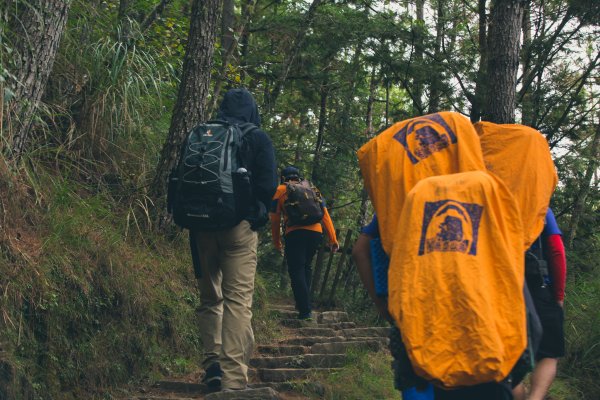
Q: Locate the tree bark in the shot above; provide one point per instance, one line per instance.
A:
(37, 26)
(585, 186)
(436, 81)
(190, 107)
(527, 103)
(227, 25)
(418, 34)
(503, 44)
(480, 80)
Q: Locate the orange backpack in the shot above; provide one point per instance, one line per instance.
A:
(408, 151)
(456, 280)
(520, 157)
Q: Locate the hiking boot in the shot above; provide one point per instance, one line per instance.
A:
(212, 376)
(305, 317)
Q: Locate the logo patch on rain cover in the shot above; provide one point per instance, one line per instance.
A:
(423, 136)
(450, 226)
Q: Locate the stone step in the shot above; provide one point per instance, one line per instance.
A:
(381, 339)
(344, 347)
(310, 340)
(290, 374)
(182, 387)
(326, 332)
(282, 350)
(330, 317)
(291, 314)
(305, 387)
(264, 393)
(301, 361)
(160, 397)
(298, 323)
(338, 325)
(289, 307)
(379, 331)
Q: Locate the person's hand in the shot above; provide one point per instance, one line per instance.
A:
(279, 247)
(382, 308)
(561, 303)
(335, 247)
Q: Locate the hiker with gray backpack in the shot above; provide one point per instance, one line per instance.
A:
(220, 191)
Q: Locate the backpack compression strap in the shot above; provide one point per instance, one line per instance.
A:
(245, 128)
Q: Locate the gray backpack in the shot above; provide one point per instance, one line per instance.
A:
(210, 189)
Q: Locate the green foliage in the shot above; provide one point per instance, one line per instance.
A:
(96, 308)
(367, 376)
(91, 297)
(581, 366)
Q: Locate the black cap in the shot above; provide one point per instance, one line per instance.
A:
(290, 172)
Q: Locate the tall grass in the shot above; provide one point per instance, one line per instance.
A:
(581, 366)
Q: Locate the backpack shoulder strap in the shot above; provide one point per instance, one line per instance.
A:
(247, 127)
(244, 129)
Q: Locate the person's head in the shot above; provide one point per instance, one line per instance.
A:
(238, 106)
(290, 173)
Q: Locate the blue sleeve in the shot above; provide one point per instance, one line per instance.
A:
(372, 229)
(551, 227)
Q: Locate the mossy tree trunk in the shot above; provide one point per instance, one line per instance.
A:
(35, 28)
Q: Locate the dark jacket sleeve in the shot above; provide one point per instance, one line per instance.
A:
(263, 168)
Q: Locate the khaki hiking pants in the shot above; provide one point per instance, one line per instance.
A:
(228, 265)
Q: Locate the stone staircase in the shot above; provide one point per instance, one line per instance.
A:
(292, 365)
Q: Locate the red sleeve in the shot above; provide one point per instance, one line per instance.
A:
(557, 263)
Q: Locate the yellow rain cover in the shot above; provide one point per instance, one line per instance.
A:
(395, 160)
(456, 279)
(520, 156)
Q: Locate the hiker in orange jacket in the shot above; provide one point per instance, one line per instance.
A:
(301, 242)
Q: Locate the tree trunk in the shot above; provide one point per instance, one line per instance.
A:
(227, 25)
(124, 21)
(418, 34)
(37, 28)
(247, 6)
(480, 80)
(291, 56)
(436, 81)
(364, 196)
(228, 47)
(503, 43)
(527, 104)
(321, 131)
(585, 185)
(193, 90)
(370, 102)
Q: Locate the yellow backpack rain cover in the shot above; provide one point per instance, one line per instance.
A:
(408, 151)
(520, 157)
(456, 279)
